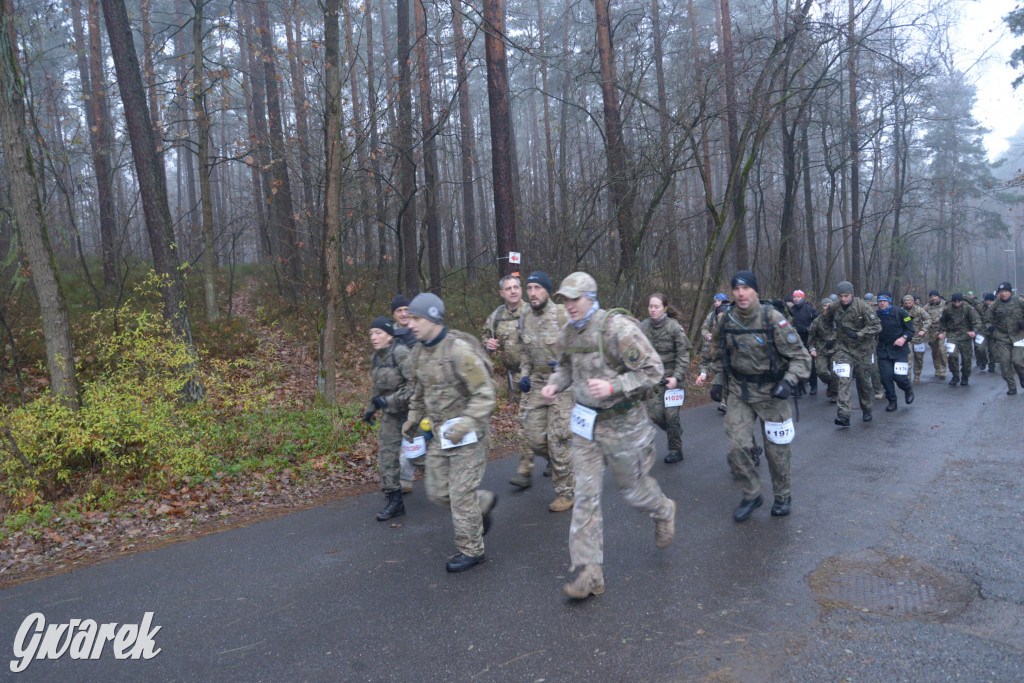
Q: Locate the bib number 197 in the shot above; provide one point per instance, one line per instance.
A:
(781, 433)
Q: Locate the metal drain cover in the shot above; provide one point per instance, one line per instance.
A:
(891, 586)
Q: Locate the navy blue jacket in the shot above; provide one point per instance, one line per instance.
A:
(896, 323)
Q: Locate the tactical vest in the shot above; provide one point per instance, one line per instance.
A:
(779, 365)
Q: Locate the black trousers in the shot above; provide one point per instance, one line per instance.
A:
(890, 380)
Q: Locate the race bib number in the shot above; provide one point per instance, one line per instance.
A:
(781, 433)
(901, 368)
(841, 369)
(415, 448)
(469, 438)
(1019, 342)
(919, 348)
(872, 359)
(674, 397)
(582, 421)
(979, 339)
(950, 347)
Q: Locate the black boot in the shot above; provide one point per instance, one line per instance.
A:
(866, 416)
(892, 405)
(954, 380)
(394, 508)
(908, 395)
(963, 382)
(674, 456)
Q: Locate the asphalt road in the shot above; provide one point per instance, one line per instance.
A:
(901, 561)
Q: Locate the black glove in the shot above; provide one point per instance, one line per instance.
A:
(524, 384)
(830, 344)
(991, 329)
(380, 402)
(716, 393)
(782, 390)
(851, 334)
(368, 416)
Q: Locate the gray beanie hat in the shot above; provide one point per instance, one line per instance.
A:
(844, 287)
(429, 306)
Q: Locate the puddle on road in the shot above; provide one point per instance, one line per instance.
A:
(870, 581)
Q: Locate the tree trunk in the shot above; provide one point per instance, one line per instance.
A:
(359, 127)
(252, 89)
(206, 196)
(429, 151)
(467, 144)
(406, 160)
(854, 153)
(812, 246)
(150, 72)
(668, 231)
(378, 184)
(150, 172)
(501, 134)
(334, 152)
(298, 74)
(740, 249)
(60, 355)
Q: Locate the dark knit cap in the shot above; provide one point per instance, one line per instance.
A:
(989, 296)
(934, 292)
(1004, 285)
(398, 302)
(844, 287)
(382, 323)
(744, 278)
(957, 296)
(541, 278)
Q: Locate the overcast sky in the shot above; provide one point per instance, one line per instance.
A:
(983, 32)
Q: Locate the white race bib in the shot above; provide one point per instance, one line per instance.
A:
(841, 369)
(902, 369)
(469, 438)
(1019, 342)
(919, 348)
(979, 339)
(950, 347)
(674, 397)
(582, 421)
(872, 359)
(781, 433)
(415, 448)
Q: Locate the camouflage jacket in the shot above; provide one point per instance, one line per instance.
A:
(629, 361)
(859, 318)
(452, 380)
(503, 325)
(706, 329)
(1006, 318)
(934, 312)
(389, 368)
(760, 348)
(955, 322)
(541, 337)
(920, 319)
(672, 344)
(819, 334)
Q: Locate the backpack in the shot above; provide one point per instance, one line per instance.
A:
(473, 343)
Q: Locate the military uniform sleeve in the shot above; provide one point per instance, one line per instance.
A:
(482, 399)
(943, 322)
(789, 346)
(715, 361)
(561, 378)
(873, 324)
(682, 365)
(487, 331)
(525, 355)
(398, 400)
(416, 406)
(644, 368)
(973, 320)
(907, 321)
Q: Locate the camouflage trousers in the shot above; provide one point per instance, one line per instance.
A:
(962, 358)
(546, 434)
(667, 419)
(389, 449)
(876, 377)
(740, 421)
(984, 354)
(823, 366)
(453, 478)
(860, 368)
(625, 444)
(1010, 359)
(938, 348)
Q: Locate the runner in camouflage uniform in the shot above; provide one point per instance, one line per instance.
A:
(986, 359)
(958, 325)
(390, 396)
(610, 366)
(857, 328)
(936, 304)
(501, 332)
(1005, 325)
(673, 346)
(821, 343)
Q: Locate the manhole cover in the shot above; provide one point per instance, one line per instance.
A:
(891, 586)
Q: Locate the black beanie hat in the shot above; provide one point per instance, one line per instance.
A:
(934, 292)
(541, 278)
(957, 296)
(382, 323)
(989, 296)
(398, 302)
(744, 277)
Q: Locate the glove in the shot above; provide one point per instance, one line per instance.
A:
(782, 390)
(380, 402)
(830, 344)
(716, 393)
(457, 431)
(991, 329)
(524, 384)
(851, 334)
(409, 429)
(368, 416)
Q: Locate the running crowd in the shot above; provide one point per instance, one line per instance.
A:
(592, 384)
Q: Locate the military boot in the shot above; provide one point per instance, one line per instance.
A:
(561, 504)
(892, 406)
(665, 529)
(954, 380)
(590, 581)
(394, 508)
(843, 420)
(523, 481)
(673, 457)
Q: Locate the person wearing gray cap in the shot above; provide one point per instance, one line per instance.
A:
(857, 329)
(922, 323)
(610, 366)
(1005, 322)
(936, 304)
(454, 394)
